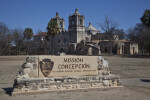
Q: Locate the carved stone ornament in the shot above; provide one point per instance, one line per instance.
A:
(46, 66)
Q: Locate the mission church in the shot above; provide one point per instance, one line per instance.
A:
(80, 40)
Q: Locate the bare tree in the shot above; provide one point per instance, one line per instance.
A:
(4, 39)
(120, 32)
(18, 39)
(109, 28)
(141, 35)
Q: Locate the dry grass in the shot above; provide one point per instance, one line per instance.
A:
(134, 74)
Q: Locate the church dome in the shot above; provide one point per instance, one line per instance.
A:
(91, 29)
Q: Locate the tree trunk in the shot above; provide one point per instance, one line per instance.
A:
(110, 43)
(110, 46)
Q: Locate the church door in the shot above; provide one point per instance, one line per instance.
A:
(133, 50)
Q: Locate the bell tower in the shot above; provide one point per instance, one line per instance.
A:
(76, 27)
(60, 21)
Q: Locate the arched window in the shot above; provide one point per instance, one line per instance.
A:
(80, 22)
(73, 23)
(60, 24)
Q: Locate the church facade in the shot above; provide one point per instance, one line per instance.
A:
(73, 40)
(86, 40)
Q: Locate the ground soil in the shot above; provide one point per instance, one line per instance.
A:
(134, 72)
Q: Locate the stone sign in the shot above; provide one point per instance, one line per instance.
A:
(53, 73)
(68, 66)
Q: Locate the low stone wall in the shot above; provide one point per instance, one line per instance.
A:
(31, 78)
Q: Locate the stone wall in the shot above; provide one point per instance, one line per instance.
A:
(84, 48)
(119, 47)
(43, 74)
(61, 43)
